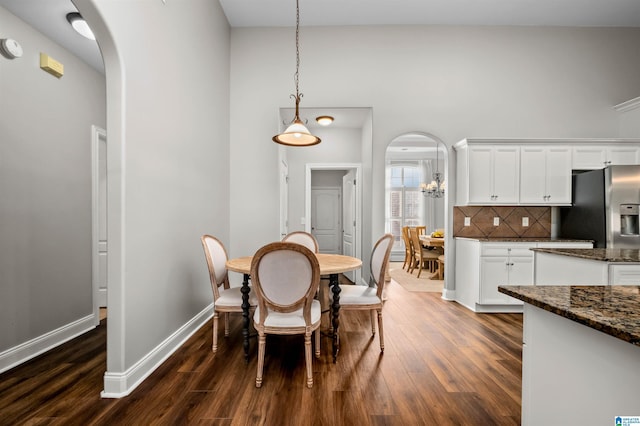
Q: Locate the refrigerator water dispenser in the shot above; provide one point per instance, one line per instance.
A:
(629, 219)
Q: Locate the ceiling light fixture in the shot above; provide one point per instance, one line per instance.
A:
(80, 25)
(297, 134)
(437, 186)
(324, 120)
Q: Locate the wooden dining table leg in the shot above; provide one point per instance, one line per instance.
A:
(245, 315)
(335, 313)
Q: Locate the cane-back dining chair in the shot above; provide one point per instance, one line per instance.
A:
(285, 278)
(226, 299)
(301, 237)
(358, 297)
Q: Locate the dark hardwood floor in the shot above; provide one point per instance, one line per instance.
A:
(442, 365)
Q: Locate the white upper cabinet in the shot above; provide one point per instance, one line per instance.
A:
(493, 174)
(531, 171)
(545, 175)
(589, 157)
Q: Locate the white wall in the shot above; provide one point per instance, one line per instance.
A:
(452, 82)
(167, 68)
(45, 185)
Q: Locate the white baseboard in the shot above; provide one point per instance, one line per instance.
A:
(34, 347)
(121, 384)
(449, 295)
(102, 297)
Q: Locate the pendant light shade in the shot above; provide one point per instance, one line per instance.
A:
(297, 133)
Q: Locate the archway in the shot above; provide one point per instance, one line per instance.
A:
(412, 195)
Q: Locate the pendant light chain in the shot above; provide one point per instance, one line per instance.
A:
(297, 74)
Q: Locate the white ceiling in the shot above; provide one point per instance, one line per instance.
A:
(49, 16)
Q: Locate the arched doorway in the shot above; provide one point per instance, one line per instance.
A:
(416, 170)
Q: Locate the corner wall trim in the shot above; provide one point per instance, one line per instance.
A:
(628, 105)
(121, 384)
(17, 355)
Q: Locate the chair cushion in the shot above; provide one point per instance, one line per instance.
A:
(358, 295)
(291, 319)
(233, 297)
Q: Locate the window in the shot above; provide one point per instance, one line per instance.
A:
(404, 201)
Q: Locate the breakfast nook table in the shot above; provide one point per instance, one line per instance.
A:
(330, 264)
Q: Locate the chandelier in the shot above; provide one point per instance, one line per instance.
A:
(436, 188)
(297, 133)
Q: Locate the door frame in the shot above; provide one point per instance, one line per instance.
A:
(357, 168)
(98, 135)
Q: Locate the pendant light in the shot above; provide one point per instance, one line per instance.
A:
(437, 186)
(297, 133)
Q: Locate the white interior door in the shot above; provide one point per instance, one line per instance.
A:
(326, 219)
(99, 217)
(349, 217)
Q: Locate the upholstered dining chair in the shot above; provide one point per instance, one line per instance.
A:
(285, 279)
(226, 299)
(358, 297)
(309, 241)
(301, 237)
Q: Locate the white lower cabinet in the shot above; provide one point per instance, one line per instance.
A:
(503, 270)
(482, 266)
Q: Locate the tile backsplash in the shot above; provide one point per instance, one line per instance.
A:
(510, 218)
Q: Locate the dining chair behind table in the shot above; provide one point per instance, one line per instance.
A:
(358, 297)
(285, 279)
(422, 256)
(309, 241)
(421, 230)
(226, 299)
(408, 248)
(301, 237)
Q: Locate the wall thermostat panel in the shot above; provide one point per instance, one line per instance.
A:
(11, 48)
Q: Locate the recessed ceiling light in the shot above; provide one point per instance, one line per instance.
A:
(80, 25)
(324, 120)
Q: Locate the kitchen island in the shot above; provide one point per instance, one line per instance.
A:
(599, 266)
(581, 353)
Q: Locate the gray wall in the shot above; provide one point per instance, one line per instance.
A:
(45, 186)
(451, 82)
(630, 122)
(337, 146)
(168, 127)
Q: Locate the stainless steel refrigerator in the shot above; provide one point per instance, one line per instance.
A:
(605, 207)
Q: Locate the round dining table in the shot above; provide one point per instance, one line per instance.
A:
(330, 264)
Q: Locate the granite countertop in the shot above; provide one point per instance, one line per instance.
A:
(614, 310)
(525, 240)
(601, 254)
